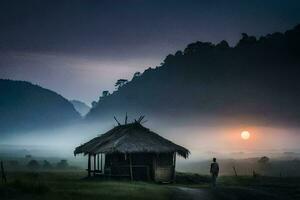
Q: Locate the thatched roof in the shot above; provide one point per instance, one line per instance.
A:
(130, 138)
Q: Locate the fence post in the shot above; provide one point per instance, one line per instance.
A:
(4, 180)
(234, 171)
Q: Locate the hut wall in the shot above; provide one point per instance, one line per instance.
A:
(118, 164)
(145, 166)
(142, 166)
(164, 167)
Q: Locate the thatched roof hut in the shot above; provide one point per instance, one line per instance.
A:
(134, 146)
(130, 138)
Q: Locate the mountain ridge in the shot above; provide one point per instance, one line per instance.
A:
(26, 107)
(218, 80)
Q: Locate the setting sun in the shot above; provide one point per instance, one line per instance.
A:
(245, 135)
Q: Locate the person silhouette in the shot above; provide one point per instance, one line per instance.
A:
(214, 171)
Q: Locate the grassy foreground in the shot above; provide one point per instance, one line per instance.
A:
(247, 187)
(70, 185)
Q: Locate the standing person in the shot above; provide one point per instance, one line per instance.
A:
(214, 171)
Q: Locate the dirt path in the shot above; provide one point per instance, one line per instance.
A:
(184, 193)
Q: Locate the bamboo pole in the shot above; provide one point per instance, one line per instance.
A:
(235, 173)
(94, 164)
(101, 164)
(89, 165)
(98, 162)
(174, 166)
(4, 180)
(130, 166)
(117, 121)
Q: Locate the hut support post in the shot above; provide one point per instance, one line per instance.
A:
(101, 164)
(98, 162)
(130, 166)
(94, 164)
(174, 165)
(3, 173)
(89, 165)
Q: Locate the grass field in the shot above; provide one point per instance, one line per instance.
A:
(247, 187)
(73, 185)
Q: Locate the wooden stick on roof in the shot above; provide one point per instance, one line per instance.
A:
(143, 122)
(141, 118)
(117, 121)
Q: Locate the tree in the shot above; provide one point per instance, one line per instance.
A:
(33, 164)
(136, 74)
(223, 45)
(264, 160)
(120, 83)
(246, 40)
(94, 104)
(105, 93)
(178, 54)
(63, 164)
(47, 165)
(264, 163)
(169, 58)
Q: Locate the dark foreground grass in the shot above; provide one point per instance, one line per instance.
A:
(70, 185)
(259, 188)
(279, 188)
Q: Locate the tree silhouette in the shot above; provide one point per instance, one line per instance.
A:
(105, 93)
(33, 164)
(63, 164)
(221, 81)
(120, 83)
(264, 163)
(136, 74)
(94, 104)
(47, 165)
(264, 160)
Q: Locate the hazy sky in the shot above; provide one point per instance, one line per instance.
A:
(79, 48)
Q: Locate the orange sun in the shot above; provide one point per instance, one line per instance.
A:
(245, 135)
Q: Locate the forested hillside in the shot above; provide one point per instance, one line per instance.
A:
(25, 107)
(257, 80)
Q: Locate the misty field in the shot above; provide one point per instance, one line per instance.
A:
(73, 185)
(70, 185)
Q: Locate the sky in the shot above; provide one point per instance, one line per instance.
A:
(80, 48)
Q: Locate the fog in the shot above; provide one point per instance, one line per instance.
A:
(203, 140)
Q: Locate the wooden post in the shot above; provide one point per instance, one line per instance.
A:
(117, 121)
(130, 166)
(4, 180)
(94, 164)
(174, 166)
(154, 166)
(234, 171)
(148, 173)
(89, 165)
(98, 162)
(101, 164)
